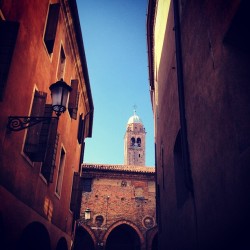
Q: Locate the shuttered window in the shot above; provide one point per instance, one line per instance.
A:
(74, 192)
(8, 35)
(51, 26)
(48, 165)
(73, 99)
(88, 125)
(32, 142)
(81, 129)
(60, 172)
(42, 139)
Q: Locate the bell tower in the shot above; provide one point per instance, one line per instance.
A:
(134, 142)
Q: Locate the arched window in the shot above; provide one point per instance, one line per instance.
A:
(138, 142)
(132, 141)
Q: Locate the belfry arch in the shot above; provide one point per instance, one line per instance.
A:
(123, 235)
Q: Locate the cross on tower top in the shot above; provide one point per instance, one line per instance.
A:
(134, 108)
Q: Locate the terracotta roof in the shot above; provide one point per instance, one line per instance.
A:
(120, 167)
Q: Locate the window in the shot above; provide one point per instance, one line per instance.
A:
(60, 172)
(61, 64)
(8, 34)
(76, 196)
(99, 220)
(48, 166)
(73, 99)
(87, 185)
(42, 139)
(132, 141)
(74, 192)
(33, 148)
(81, 129)
(51, 26)
(138, 142)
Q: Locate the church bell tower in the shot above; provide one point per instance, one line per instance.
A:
(134, 142)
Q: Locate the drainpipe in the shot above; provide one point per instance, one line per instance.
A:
(183, 123)
(181, 95)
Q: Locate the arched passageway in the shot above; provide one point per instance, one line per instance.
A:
(62, 244)
(83, 240)
(123, 237)
(35, 237)
(154, 245)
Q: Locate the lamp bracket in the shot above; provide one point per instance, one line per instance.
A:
(17, 123)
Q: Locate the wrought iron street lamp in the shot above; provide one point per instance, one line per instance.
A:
(59, 93)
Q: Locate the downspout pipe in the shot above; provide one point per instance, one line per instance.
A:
(181, 95)
(183, 122)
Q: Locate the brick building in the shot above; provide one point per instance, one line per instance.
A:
(200, 92)
(40, 43)
(120, 199)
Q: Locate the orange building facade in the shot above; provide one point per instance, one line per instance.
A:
(40, 44)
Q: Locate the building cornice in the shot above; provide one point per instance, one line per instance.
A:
(118, 168)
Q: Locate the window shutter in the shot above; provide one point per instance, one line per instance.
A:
(74, 192)
(73, 99)
(48, 165)
(81, 129)
(88, 125)
(31, 146)
(50, 32)
(44, 133)
(8, 34)
(82, 153)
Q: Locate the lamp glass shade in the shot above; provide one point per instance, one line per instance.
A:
(87, 214)
(60, 95)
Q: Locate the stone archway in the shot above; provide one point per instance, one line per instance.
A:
(152, 238)
(123, 235)
(34, 236)
(84, 239)
(154, 245)
(62, 244)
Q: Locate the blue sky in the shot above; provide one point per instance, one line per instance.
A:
(114, 35)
